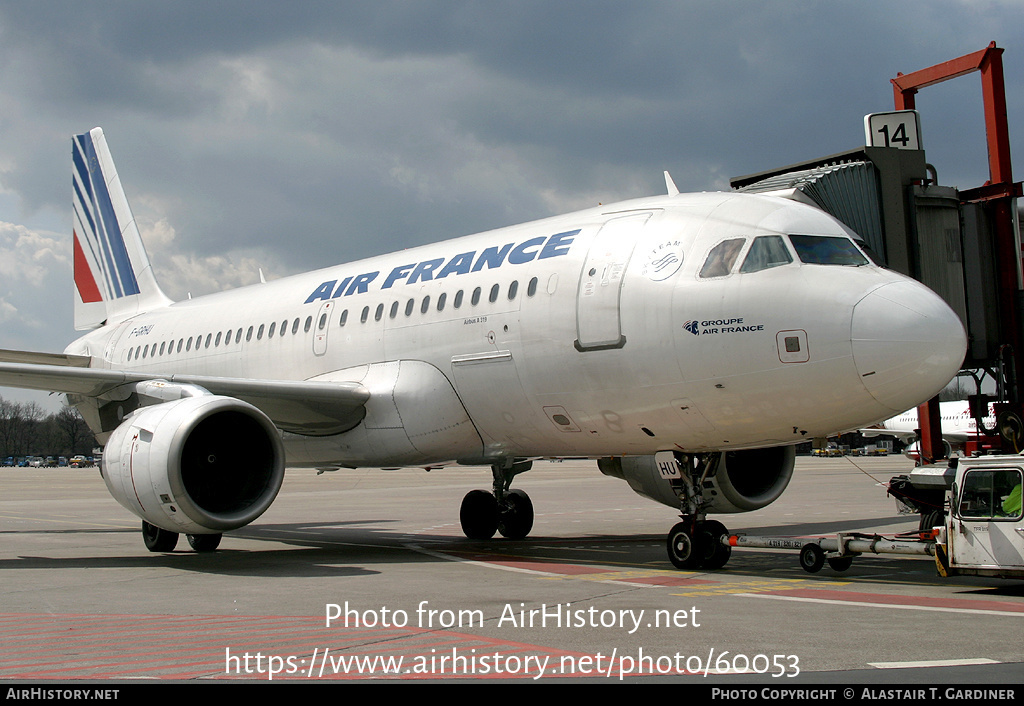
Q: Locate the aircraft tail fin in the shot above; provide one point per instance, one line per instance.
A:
(113, 275)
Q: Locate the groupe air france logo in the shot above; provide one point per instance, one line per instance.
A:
(720, 326)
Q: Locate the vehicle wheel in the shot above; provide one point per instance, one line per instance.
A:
(812, 558)
(479, 515)
(840, 563)
(930, 520)
(204, 542)
(515, 520)
(714, 554)
(157, 539)
(682, 550)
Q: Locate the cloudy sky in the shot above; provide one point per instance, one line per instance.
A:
(289, 136)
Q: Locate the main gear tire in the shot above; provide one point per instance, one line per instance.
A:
(479, 515)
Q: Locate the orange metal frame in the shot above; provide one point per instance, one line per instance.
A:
(1000, 191)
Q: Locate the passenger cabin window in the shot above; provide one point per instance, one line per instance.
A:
(766, 252)
(721, 258)
(827, 250)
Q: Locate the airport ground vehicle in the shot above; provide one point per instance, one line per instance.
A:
(971, 522)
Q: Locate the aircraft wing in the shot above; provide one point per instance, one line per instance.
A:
(301, 406)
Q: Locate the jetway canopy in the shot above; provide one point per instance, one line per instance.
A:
(864, 188)
(847, 190)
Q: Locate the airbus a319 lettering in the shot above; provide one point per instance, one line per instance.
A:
(685, 342)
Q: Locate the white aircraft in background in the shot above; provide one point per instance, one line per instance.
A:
(958, 425)
(687, 342)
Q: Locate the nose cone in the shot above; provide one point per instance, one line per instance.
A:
(907, 343)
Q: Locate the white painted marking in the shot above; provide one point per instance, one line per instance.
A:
(521, 570)
(862, 604)
(933, 663)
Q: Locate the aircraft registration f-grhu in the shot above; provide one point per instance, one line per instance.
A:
(686, 342)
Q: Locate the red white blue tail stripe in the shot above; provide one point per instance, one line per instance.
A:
(99, 245)
(113, 278)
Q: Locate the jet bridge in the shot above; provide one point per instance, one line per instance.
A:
(963, 244)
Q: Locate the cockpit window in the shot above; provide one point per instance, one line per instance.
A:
(721, 258)
(766, 252)
(872, 255)
(827, 250)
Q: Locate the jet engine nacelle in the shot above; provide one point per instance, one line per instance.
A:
(198, 465)
(743, 480)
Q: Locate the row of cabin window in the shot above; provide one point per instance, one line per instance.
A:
(151, 350)
(442, 301)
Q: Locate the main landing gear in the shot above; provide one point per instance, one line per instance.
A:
(696, 542)
(161, 540)
(509, 512)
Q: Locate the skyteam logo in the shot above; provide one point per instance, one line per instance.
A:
(663, 261)
(692, 327)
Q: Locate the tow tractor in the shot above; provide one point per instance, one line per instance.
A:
(971, 522)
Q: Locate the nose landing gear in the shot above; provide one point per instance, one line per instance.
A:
(696, 542)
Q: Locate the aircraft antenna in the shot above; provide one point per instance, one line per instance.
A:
(670, 185)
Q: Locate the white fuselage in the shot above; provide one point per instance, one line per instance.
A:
(957, 423)
(592, 334)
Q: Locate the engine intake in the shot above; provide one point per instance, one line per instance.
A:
(197, 465)
(743, 480)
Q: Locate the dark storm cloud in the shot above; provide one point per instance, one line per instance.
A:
(317, 132)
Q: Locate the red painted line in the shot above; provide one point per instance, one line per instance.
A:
(188, 647)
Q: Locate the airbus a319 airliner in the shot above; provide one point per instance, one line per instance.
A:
(685, 342)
